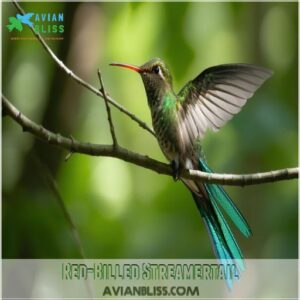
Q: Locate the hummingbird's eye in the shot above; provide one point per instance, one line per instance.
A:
(156, 69)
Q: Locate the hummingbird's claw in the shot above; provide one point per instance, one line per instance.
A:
(176, 169)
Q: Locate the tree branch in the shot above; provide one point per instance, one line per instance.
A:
(80, 81)
(73, 146)
(109, 118)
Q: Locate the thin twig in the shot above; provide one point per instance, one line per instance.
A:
(141, 160)
(51, 182)
(80, 81)
(45, 172)
(109, 118)
(68, 156)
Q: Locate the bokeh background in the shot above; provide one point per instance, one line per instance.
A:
(121, 210)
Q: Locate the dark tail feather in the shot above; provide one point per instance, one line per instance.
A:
(212, 223)
(217, 194)
(224, 244)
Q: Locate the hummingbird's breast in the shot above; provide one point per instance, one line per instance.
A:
(164, 120)
(166, 123)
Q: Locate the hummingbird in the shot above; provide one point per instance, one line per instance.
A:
(180, 122)
(25, 19)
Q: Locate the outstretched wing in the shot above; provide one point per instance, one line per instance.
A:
(28, 15)
(25, 17)
(214, 96)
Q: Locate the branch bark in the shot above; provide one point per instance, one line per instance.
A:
(74, 146)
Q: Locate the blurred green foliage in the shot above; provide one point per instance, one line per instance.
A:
(121, 210)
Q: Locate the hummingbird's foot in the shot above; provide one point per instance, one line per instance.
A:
(176, 169)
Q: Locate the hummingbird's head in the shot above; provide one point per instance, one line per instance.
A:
(155, 75)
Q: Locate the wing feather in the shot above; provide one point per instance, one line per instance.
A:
(201, 120)
(210, 117)
(228, 99)
(215, 96)
(218, 109)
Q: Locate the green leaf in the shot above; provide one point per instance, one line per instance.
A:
(19, 26)
(14, 23)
